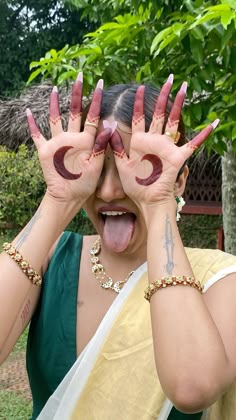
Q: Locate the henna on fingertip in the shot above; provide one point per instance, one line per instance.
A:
(33, 128)
(95, 106)
(203, 135)
(160, 107)
(101, 142)
(54, 109)
(177, 106)
(117, 145)
(138, 120)
(76, 98)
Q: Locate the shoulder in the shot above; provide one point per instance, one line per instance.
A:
(210, 265)
(64, 242)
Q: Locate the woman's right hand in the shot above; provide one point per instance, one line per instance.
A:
(72, 161)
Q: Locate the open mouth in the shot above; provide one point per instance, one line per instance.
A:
(113, 213)
(118, 228)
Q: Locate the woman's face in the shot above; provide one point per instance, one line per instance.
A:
(114, 215)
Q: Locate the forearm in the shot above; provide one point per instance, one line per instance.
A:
(18, 296)
(189, 352)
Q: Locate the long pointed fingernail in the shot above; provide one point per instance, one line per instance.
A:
(215, 123)
(28, 112)
(80, 77)
(170, 79)
(112, 125)
(54, 89)
(184, 87)
(100, 84)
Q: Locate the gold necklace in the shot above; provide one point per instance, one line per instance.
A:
(99, 272)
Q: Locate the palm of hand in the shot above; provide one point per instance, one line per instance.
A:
(152, 167)
(150, 171)
(72, 161)
(67, 166)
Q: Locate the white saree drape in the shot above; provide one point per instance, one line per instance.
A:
(65, 402)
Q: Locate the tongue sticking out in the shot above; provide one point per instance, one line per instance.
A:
(118, 231)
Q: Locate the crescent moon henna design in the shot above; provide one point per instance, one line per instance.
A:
(156, 171)
(58, 161)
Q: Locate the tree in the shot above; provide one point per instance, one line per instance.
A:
(147, 40)
(28, 28)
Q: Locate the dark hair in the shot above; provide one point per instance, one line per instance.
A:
(118, 100)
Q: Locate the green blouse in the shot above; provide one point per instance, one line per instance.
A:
(51, 348)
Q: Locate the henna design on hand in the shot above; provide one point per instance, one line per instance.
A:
(54, 110)
(117, 145)
(76, 99)
(156, 171)
(138, 120)
(94, 110)
(34, 130)
(58, 161)
(101, 142)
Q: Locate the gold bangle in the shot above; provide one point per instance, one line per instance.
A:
(172, 281)
(34, 277)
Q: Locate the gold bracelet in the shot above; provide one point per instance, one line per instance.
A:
(34, 277)
(172, 281)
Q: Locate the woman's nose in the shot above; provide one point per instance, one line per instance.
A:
(109, 186)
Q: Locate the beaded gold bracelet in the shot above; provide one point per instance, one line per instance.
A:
(172, 281)
(34, 277)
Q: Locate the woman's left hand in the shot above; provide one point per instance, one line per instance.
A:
(148, 174)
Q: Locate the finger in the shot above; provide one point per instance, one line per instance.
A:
(76, 105)
(160, 107)
(138, 120)
(117, 146)
(101, 142)
(171, 128)
(35, 133)
(92, 120)
(190, 147)
(54, 113)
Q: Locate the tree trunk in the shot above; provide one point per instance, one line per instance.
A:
(229, 199)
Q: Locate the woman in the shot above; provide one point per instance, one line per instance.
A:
(89, 318)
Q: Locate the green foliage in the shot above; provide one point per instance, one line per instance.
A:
(147, 40)
(14, 406)
(29, 28)
(22, 186)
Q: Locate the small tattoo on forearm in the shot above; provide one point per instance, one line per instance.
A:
(80, 303)
(25, 313)
(169, 246)
(28, 229)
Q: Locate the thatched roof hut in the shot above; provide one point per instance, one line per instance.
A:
(13, 122)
